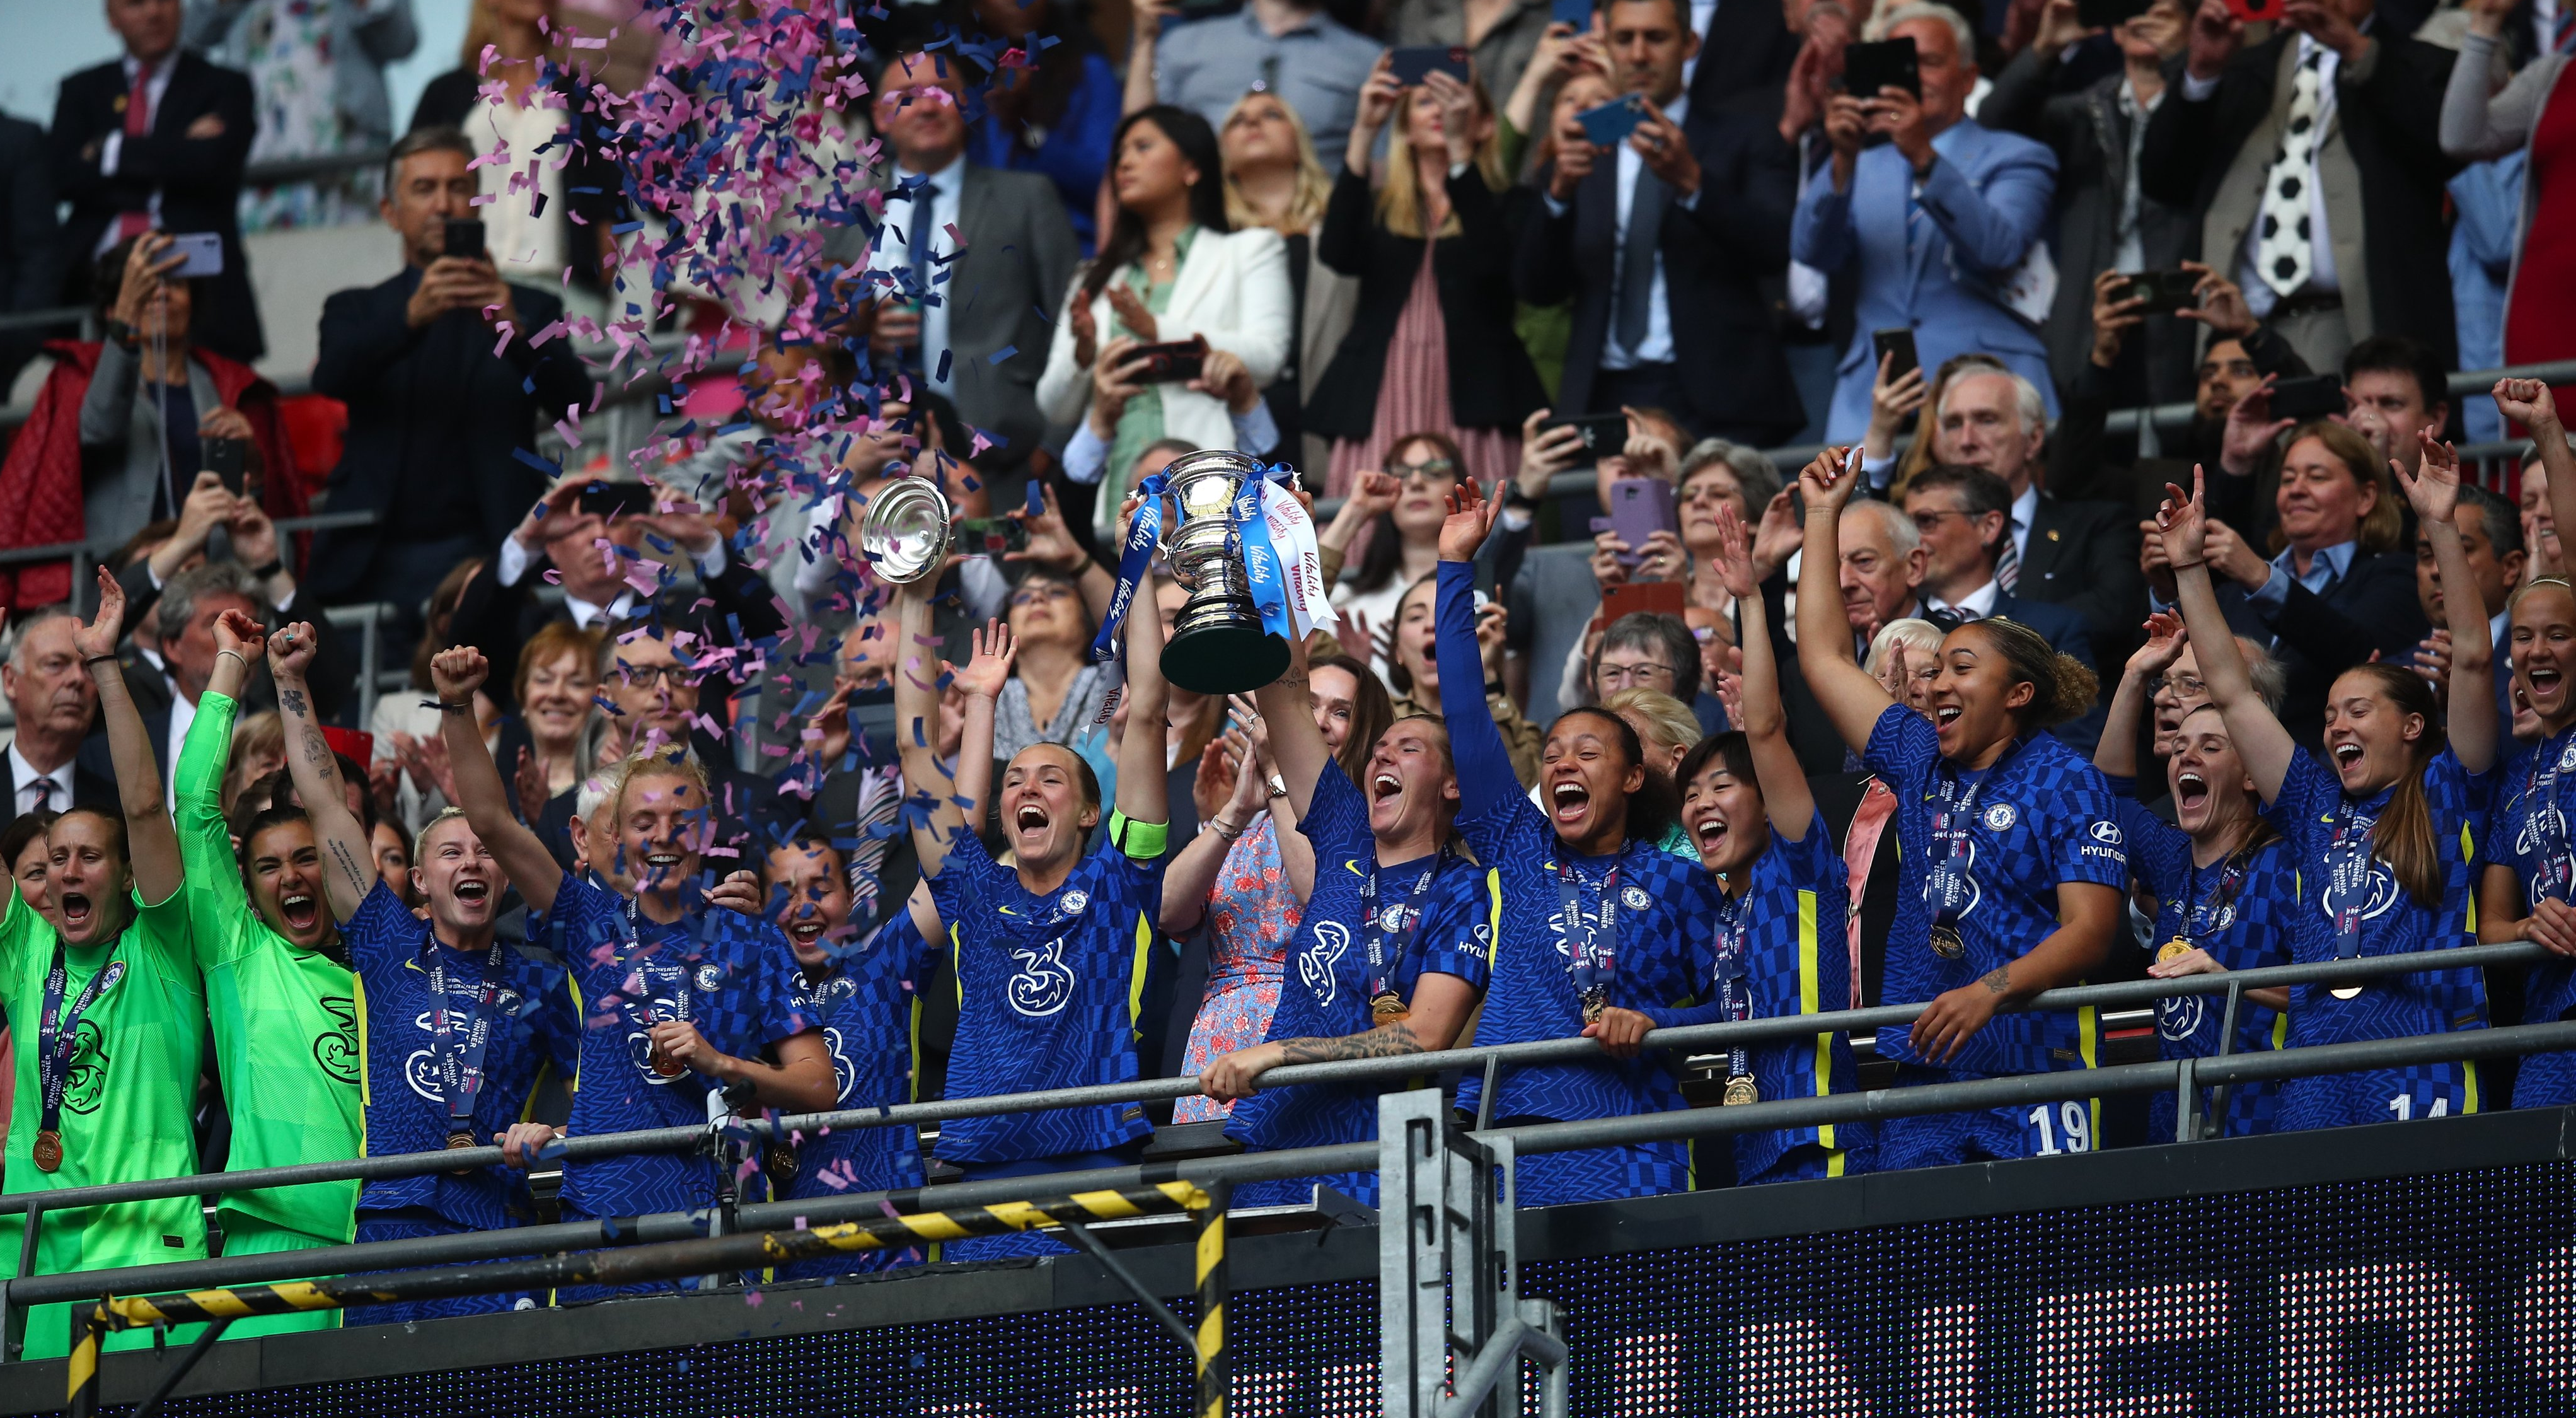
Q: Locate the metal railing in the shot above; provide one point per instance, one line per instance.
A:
(2187, 1076)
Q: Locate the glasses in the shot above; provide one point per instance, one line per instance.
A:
(1429, 470)
(2188, 686)
(1926, 521)
(1031, 596)
(1640, 673)
(646, 676)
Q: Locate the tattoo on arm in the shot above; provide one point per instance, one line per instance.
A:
(317, 750)
(292, 701)
(348, 866)
(1390, 1041)
(1997, 980)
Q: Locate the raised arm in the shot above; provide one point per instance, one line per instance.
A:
(1144, 786)
(1229, 772)
(2434, 489)
(2265, 746)
(2117, 753)
(1476, 748)
(1790, 804)
(349, 861)
(151, 842)
(1296, 745)
(2529, 402)
(454, 674)
(1851, 698)
(939, 797)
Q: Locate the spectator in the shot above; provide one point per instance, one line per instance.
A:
(1959, 264)
(2339, 591)
(51, 702)
(1273, 179)
(1287, 47)
(2104, 223)
(1499, 45)
(580, 188)
(1118, 383)
(1964, 515)
(156, 141)
(1668, 730)
(559, 730)
(2484, 241)
(26, 853)
(1414, 674)
(1817, 316)
(944, 316)
(1398, 512)
(1644, 650)
(256, 749)
(186, 650)
(317, 73)
(1529, 129)
(2287, 191)
(2539, 528)
(1431, 348)
(1884, 566)
(2491, 543)
(1054, 693)
(1745, 53)
(1717, 474)
(1663, 247)
(31, 241)
(1172, 269)
(2482, 121)
(1053, 115)
(258, 557)
(402, 719)
(439, 423)
(2396, 388)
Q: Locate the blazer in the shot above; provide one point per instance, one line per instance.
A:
(429, 407)
(2319, 635)
(1232, 288)
(2208, 158)
(31, 247)
(199, 180)
(1717, 252)
(2065, 632)
(1744, 59)
(2090, 134)
(2083, 556)
(1491, 381)
(1985, 204)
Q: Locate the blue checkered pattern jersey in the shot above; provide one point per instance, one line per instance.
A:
(1664, 909)
(2529, 833)
(2246, 930)
(1797, 961)
(406, 1105)
(1325, 994)
(2041, 818)
(1048, 992)
(2393, 922)
(716, 968)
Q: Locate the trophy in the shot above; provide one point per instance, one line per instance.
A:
(1218, 645)
(906, 530)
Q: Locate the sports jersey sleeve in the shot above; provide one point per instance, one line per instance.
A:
(216, 902)
(582, 928)
(1903, 745)
(1458, 929)
(962, 880)
(2152, 843)
(20, 927)
(1336, 819)
(778, 1012)
(2457, 796)
(1814, 862)
(163, 930)
(2308, 790)
(378, 927)
(2081, 809)
(1696, 914)
(1489, 793)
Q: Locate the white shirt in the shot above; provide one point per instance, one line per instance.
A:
(113, 149)
(1702, 13)
(528, 247)
(2025, 510)
(515, 562)
(26, 777)
(891, 252)
(183, 712)
(2259, 296)
(1976, 605)
(1658, 345)
(2131, 256)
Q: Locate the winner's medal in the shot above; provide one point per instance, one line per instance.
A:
(1596, 1000)
(1740, 1090)
(1387, 1008)
(49, 1151)
(1947, 944)
(2174, 950)
(2347, 992)
(664, 1066)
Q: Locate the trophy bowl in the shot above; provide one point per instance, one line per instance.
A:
(906, 531)
(1218, 645)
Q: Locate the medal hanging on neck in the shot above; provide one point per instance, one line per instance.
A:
(1945, 886)
(1399, 919)
(1591, 943)
(459, 1045)
(663, 1065)
(2200, 922)
(2347, 891)
(2552, 876)
(1735, 995)
(57, 1039)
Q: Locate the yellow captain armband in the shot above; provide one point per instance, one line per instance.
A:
(1141, 841)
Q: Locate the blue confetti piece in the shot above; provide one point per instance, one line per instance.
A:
(1005, 352)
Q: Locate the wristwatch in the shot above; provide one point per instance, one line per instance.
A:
(1514, 497)
(124, 334)
(1278, 786)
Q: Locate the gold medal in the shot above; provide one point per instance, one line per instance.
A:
(2173, 950)
(662, 1064)
(1741, 1089)
(1388, 1008)
(1947, 944)
(49, 1151)
(459, 1141)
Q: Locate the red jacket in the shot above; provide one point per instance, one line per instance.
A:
(40, 483)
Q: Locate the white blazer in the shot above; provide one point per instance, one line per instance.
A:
(1233, 289)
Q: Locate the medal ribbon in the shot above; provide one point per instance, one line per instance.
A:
(58, 1032)
(1734, 993)
(1593, 961)
(2549, 876)
(1384, 961)
(2231, 879)
(642, 1010)
(2348, 871)
(460, 1049)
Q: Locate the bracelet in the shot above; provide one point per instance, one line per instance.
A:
(236, 654)
(275, 565)
(89, 660)
(443, 707)
(1224, 829)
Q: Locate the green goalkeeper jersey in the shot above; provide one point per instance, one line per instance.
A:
(285, 1020)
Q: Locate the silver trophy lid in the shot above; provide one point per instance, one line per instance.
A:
(906, 530)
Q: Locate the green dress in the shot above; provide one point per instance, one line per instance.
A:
(1141, 422)
(286, 1035)
(128, 1101)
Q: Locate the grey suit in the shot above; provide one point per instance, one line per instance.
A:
(1005, 293)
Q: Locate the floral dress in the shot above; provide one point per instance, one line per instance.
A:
(1251, 917)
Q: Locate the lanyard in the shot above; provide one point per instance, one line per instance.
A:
(2231, 879)
(460, 1045)
(57, 1038)
(1945, 886)
(1593, 960)
(2553, 866)
(2348, 881)
(639, 1006)
(1403, 918)
(1735, 993)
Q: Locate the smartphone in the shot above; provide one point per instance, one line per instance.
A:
(2255, 11)
(2315, 396)
(1900, 343)
(1412, 63)
(2165, 291)
(1639, 508)
(1577, 13)
(992, 535)
(604, 499)
(1602, 434)
(228, 459)
(1639, 598)
(2103, 14)
(1882, 64)
(1175, 362)
(1609, 125)
(463, 238)
(201, 253)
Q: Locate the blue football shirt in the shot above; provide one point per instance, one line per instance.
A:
(2532, 831)
(867, 1004)
(1048, 993)
(2042, 817)
(398, 961)
(719, 969)
(1326, 991)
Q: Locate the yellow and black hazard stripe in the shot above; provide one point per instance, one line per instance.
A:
(1213, 1369)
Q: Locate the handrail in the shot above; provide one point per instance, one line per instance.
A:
(1703, 1036)
(314, 522)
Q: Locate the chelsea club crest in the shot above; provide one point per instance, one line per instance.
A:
(710, 979)
(1999, 817)
(1072, 903)
(1635, 898)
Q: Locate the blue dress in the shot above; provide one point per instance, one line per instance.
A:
(2528, 831)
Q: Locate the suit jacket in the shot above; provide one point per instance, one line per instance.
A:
(2210, 157)
(93, 779)
(31, 246)
(593, 187)
(2090, 135)
(1983, 206)
(1744, 59)
(1716, 253)
(199, 180)
(1232, 288)
(2065, 632)
(2083, 556)
(440, 428)
(2318, 636)
(1491, 381)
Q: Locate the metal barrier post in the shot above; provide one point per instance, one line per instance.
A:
(2186, 1101)
(367, 647)
(88, 1327)
(1412, 1284)
(2214, 1123)
(13, 1316)
(1214, 1369)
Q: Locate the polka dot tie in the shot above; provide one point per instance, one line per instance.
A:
(2283, 252)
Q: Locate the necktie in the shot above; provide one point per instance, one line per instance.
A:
(138, 123)
(2562, 34)
(2008, 562)
(880, 794)
(2282, 253)
(44, 795)
(1637, 260)
(924, 199)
